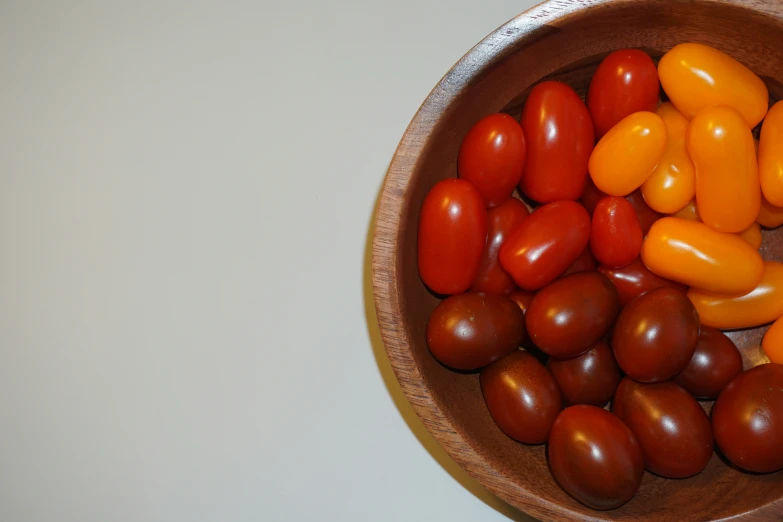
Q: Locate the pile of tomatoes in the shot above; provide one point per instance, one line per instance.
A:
(642, 245)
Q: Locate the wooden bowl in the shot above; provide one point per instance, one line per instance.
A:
(565, 40)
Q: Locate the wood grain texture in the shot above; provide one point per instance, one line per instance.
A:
(563, 39)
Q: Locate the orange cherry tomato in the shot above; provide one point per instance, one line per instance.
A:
(727, 179)
(627, 154)
(769, 216)
(696, 76)
(771, 155)
(673, 182)
(752, 235)
(773, 342)
(689, 212)
(761, 305)
(693, 254)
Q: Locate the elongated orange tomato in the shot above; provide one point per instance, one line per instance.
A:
(689, 211)
(771, 155)
(761, 305)
(694, 254)
(773, 342)
(696, 76)
(752, 235)
(727, 178)
(769, 216)
(627, 154)
(673, 182)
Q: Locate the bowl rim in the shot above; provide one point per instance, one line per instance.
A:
(386, 262)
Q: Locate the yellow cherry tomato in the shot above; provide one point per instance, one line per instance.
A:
(696, 76)
(694, 254)
(769, 216)
(689, 212)
(761, 305)
(673, 182)
(773, 342)
(771, 155)
(627, 154)
(727, 178)
(752, 235)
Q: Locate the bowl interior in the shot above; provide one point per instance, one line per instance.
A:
(565, 41)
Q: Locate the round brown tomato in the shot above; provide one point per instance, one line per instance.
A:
(635, 279)
(616, 236)
(714, 365)
(590, 378)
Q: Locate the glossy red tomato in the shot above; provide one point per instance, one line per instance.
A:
(590, 378)
(634, 279)
(646, 215)
(595, 457)
(545, 244)
(616, 235)
(560, 139)
(521, 396)
(747, 419)
(625, 82)
(452, 234)
(714, 364)
(492, 157)
(584, 263)
(491, 278)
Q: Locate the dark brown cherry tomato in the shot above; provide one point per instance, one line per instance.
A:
(569, 316)
(633, 280)
(595, 457)
(646, 215)
(492, 157)
(522, 298)
(625, 82)
(545, 244)
(521, 396)
(591, 196)
(655, 335)
(671, 427)
(584, 263)
(616, 236)
(469, 331)
(560, 139)
(452, 234)
(715, 363)
(747, 419)
(491, 278)
(590, 378)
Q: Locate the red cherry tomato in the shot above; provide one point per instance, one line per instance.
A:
(492, 157)
(491, 278)
(452, 234)
(591, 196)
(560, 139)
(545, 244)
(584, 263)
(633, 280)
(616, 235)
(625, 82)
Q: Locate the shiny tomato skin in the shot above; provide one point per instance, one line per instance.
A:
(671, 427)
(522, 397)
(595, 457)
(769, 216)
(492, 157)
(616, 235)
(469, 331)
(747, 419)
(714, 364)
(646, 215)
(635, 279)
(626, 81)
(590, 378)
(773, 342)
(560, 139)
(545, 244)
(491, 278)
(771, 156)
(569, 316)
(655, 335)
(452, 235)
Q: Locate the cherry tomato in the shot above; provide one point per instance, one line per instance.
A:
(771, 155)
(646, 215)
(714, 364)
(491, 278)
(492, 157)
(694, 254)
(522, 299)
(584, 263)
(655, 335)
(468, 331)
(671, 427)
(673, 182)
(689, 212)
(590, 378)
(452, 234)
(522, 397)
(696, 76)
(616, 235)
(747, 419)
(762, 305)
(625, 82)
(591, 196)
(773, 342)
(634, 279)
(545, 244)
(560, 139)
(595, 457)
(752, 235)
(769, 216)
(727, 179)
